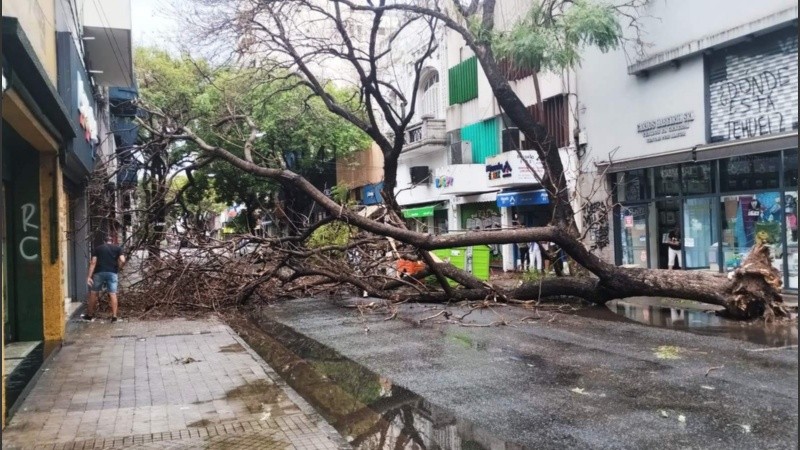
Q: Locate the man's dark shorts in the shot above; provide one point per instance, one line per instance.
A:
(109, 278)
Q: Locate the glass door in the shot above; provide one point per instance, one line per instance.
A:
(634, 236)
(700, 234)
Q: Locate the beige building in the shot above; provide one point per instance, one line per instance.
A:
(56, 55)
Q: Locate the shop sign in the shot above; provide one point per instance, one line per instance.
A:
(499, 170)
(664, 128)
(442, 182)
(509, 169)
(508, 199)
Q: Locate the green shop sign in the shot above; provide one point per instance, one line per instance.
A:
(423, 211)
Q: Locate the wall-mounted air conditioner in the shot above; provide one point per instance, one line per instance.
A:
(420, 175)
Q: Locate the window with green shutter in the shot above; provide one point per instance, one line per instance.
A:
(484, 137)
(463, 81)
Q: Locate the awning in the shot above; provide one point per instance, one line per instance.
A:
(507, 199)
(422, 211)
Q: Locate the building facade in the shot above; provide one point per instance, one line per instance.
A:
(50, 134)
(460, 170)
(698, 136)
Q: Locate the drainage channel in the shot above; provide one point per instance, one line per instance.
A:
(370, 411)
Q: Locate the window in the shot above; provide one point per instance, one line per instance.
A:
(462, 80)
(634, 235)
(790, 218)
(429, 106)
(747, 219)
(633, 185)
(751, 172)
(697, 178)
(667, 181)
(790, 168)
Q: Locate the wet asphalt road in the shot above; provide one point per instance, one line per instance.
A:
(567, 381)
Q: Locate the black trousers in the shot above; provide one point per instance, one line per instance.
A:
(525, 257)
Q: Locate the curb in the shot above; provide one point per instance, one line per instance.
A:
(304, 406)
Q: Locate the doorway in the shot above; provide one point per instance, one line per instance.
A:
(668, 218)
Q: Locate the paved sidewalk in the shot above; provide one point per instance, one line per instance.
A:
(163, 384)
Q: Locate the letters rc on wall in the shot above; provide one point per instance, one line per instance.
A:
(752, 88)
(29, 243)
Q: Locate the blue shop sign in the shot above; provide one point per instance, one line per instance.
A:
(371, 194)
(507, 199)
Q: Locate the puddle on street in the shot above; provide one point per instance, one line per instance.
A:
(701, 322)
(370, 411)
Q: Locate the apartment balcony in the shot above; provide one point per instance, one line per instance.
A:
(461, 179)
(427, 136)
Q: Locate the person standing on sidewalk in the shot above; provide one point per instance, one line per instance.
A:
(524, 256)
(536, 256)
(107, 260)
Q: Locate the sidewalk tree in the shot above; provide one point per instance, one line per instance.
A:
(302, 39)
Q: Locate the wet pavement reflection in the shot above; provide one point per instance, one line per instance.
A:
(370, 411)
(778, 334)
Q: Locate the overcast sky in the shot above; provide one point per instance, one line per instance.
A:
(153, 23)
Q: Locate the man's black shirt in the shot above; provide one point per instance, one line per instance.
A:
(107, 258)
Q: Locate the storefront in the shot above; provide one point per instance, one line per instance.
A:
(720, 208)
(740, 188)
(430, 218)
(522, 201)
(526, 209)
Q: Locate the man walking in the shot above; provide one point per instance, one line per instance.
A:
(107, 261)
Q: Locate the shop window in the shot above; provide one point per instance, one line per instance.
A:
(632, 185)
(420, 225)
(751, 172)
(790, 168)
(667, 181)
(697, 178)
(634, 236)
(748, 219)
(440, 221)
(790, 218)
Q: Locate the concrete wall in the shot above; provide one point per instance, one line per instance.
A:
(609, 110)
(423, 193)
(37, 18)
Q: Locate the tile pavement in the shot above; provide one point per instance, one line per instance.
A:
(163, 384)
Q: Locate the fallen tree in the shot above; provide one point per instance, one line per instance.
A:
(266, 34)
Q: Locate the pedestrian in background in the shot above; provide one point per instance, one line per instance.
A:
(107, 260)
(524, 255)
(536, 256)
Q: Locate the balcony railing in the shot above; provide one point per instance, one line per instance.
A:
(426, 136)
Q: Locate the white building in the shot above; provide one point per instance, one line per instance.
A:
(699, 135)
(465, 166)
